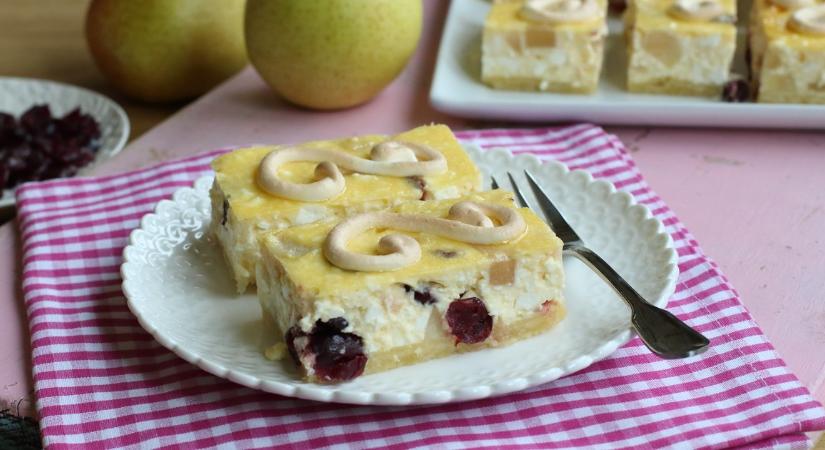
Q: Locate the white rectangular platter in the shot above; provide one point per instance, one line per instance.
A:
(457, 88)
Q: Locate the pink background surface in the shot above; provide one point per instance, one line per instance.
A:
(755, 200)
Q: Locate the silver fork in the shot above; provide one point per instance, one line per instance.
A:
(662, 332)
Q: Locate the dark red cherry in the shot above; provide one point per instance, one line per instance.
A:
(736, 91)
(469, 320)
(292, 334)
(338, 356)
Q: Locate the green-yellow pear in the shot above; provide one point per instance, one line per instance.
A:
(330, 54)
(166, 50)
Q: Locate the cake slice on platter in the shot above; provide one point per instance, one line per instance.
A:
(385, 289)
(680, 47)
(259, 189)
(544, 45)
(787, 47)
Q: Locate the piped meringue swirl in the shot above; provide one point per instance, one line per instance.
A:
(560, 11)
(470, 222)
(389, 158)
(792, 4)
(696, 10)
(808, 20)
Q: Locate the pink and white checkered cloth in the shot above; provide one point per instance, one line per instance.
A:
(101, 381)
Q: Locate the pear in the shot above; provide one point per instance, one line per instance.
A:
(330, 54)
(166, 50)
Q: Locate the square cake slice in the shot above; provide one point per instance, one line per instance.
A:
(787, 47)
(380, 290)
(544, 45)
(251, 196)
(681, 47)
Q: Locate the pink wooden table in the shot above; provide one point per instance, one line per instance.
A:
(754, 199)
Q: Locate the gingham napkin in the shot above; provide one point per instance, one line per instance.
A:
(102, 381)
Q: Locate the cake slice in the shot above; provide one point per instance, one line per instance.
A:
(381, 290)
(544, 45)
(266, 188)
(787, 47)
(681, 47)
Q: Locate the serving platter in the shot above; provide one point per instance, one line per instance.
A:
(457, 88)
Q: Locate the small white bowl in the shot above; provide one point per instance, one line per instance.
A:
(19, 94)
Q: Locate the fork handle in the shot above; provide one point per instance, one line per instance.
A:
(662, 332)
(608, 274)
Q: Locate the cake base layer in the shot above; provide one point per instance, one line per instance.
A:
(438, 345)
(671, 86)
(537, 84)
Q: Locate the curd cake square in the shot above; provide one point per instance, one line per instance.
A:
(265, 188)
(682, 47)
(348, 301)
(544, 45)
(787, 48)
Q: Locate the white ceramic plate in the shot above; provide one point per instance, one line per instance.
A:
(178, 286)
(19, 94)
(457, 88)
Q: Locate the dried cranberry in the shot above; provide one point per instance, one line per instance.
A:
(469, 320)
(292, 334)
(7, 122)
(80, 126)
(339, 356)
(421, 295)
(736, 90)
(4, 175)
(38, 120)
(335, 324)
(8, 129)
(39, 146)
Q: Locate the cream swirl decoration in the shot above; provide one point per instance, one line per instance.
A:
(560, 11)
(470, 222)
(696, 10)
(809, 20)
(390, 158)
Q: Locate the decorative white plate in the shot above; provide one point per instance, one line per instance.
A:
(457, 88)
(19, 94)
(178, 286)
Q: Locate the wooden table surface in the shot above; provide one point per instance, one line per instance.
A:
(755, 200)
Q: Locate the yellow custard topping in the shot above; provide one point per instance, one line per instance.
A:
(236, 173)
(299, 250)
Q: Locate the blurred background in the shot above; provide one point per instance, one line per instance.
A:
(46, 39)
